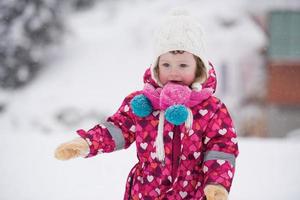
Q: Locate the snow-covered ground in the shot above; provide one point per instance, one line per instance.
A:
(103, 58)
(266, 169)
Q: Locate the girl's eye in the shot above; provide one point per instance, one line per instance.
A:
(165, 64)
(183, 65)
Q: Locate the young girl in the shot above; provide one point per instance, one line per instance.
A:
(185, 139)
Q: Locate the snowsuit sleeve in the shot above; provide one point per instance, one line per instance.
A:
(118, 132)
(221, 149)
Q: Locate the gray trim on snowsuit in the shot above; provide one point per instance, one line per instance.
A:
(116, 134)
(217, 155)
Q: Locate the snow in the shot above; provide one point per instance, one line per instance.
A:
(266, 169)
(102, 60)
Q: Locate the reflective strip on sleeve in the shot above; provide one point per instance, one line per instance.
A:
(116, 134)
(217, 155)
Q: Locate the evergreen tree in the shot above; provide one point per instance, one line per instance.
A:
(27, 28)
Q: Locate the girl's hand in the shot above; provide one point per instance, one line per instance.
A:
(75, 148)
(215, 192)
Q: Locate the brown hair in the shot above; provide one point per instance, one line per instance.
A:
(201, 74)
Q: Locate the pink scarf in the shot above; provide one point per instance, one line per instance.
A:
(173, 94)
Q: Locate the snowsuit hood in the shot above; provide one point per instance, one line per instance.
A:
(210, 83)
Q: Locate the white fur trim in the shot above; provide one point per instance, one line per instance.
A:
(159, 141)
(197, 86)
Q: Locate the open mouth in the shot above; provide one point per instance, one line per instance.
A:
(176, 82)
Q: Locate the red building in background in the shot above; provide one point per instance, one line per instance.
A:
(283, 72)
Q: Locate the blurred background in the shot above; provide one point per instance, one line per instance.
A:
(68, 64)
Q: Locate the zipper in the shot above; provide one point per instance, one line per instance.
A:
(176, 151)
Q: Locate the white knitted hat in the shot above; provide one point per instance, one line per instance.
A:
(179, 31)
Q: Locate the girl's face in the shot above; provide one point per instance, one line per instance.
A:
(178, 68)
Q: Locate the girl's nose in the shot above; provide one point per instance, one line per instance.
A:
(174, 73)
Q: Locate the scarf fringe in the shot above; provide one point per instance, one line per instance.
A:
(189, 120)
(159, 141)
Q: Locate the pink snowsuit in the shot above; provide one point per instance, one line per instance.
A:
(194, 158)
